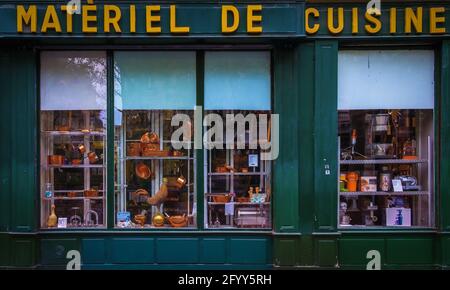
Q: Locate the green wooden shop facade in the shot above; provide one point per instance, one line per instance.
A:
(305, 229)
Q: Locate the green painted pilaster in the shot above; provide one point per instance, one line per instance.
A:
(325, 132)
(286, 171)
(23, 140)
(444, 154)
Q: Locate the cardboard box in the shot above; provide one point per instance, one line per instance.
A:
(398, 217)
(368, 183)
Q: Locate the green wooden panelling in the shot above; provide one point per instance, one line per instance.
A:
(305, 83)
(249, 251)
(5, 146)
(110, 186)
(445, 250)
(132, 250)
(307, 250)
(325, 132)
(93, 251)
(5, 250)
(213, 250)
(444, 154)
(199, 166)
(177, 250)
(54, 250)
(24, 252)
(286, 251)
(23, 141)
(286, 169)
(409, 251)
(326, 252)
(353, 251)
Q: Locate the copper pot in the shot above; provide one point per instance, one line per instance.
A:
(55, 159)
(181, 181)
(82, 148)
(76, 161)
(93, 158)
(140, 219)
(150, 138)
(134, 149)
(91, 193)
(178, 221)
(72, 194)
(143, 171)
(177, 153)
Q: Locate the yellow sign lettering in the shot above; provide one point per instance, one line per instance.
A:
(253, 19)
(226, 10)
(29, 17)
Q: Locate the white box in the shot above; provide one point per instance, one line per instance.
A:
(393, 213)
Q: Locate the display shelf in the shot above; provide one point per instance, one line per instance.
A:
(236, 173)
(76, 166)
(72, 198)
(365, 193)
(158, 158)
(382, 161)
(238, 203)
(74, 133)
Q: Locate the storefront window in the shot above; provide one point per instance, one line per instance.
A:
(73, 139)
(385, 127)
(155, 183)
(237, 180)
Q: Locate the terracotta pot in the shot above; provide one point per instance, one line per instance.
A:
(222, 198)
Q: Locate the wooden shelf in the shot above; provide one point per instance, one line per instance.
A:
(74, 133)
(360, 193)
(381, 161)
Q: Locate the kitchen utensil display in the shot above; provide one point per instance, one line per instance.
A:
(55, 159)
(52, 219)
(140, 219)
(158, 220)
(352, 181)
(178, 221)
(150, 138)
(93, 158)
(161, 195)
(143, 171)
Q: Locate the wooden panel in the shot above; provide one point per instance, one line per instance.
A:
(446, 251)
(177, 250)
(54, 251)
(24, 252)
(249, 251)
(353, 251)
(132, 250)
(5, 146)
(286, 171)
(93, 251)
(326, 252)
(5, 250)
(325, 128)
(409, 251)
(305, 80)
(213, 250)
(444, 155)
(286, 251)
(23, 141)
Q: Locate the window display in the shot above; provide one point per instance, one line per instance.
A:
(155, 183)
(385, 154)
(237, 181)
(73, 139)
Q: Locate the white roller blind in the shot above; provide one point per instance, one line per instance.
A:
(237, 80)
(73, 80)
(385, 79)
(155, 80)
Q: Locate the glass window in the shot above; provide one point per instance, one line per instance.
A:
(385, 128)
(155, 182)
(73, 139)
(237, 180)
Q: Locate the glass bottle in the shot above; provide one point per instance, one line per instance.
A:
(48, 190)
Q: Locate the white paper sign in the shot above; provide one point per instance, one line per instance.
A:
(229, 208)
(397, 185)
(62, 223)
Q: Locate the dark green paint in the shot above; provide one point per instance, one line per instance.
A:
(325, 133)
(444, 154)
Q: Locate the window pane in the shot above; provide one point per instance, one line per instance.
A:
(156, 80)
(237, 80)
(73, 80)
(238, 189)
(386, 148)
(155, 182)
(73, 139)
(380, 79)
